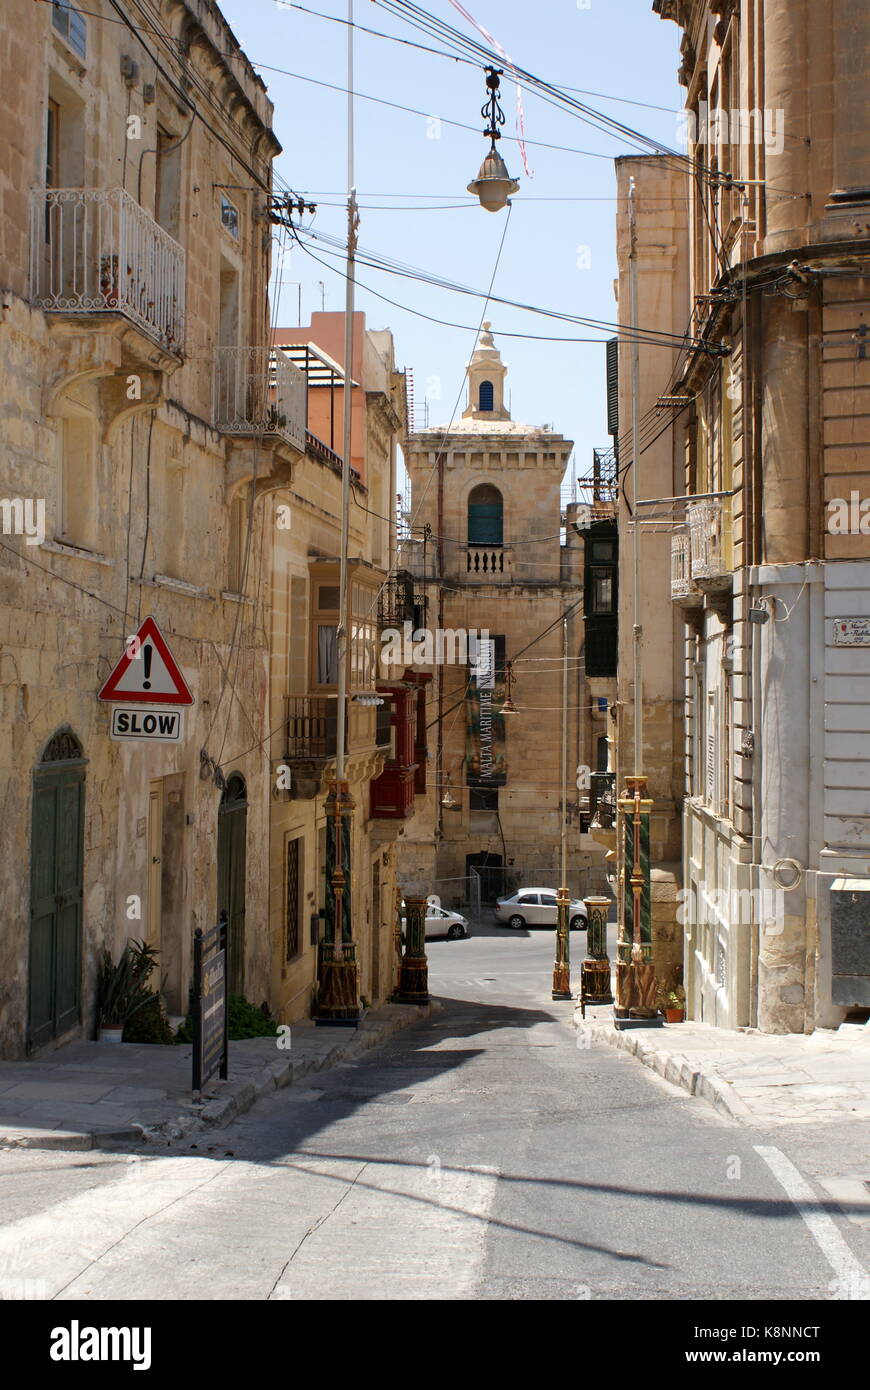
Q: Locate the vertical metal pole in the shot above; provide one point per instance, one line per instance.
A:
(562, 966)
(224, 946)
(635, 459)
(197, 1013)
(341, 635)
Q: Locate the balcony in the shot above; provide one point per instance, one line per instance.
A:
(709, 544)
(399, 603)
(683, 590)
(258, 394)
(486, 562)
(97, 252)
(312, 728)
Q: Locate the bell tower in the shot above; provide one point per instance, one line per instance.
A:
(486, 374)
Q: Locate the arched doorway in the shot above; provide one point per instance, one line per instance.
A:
(231, 862)
(491, 870)
(56, 880)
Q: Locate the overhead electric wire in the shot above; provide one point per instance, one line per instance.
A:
(376, 261)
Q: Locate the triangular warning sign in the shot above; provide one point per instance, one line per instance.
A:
(147, 672)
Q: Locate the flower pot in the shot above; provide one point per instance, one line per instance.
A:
(673, 1015)
(111, 1033)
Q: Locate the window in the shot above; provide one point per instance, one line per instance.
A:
(79, 506)
(228, 328)
(238, 531)
(167, 208)
(485, 515)
(486, 396)
(602, 591)
(70, 25)
(293, 899)
(483, 798)
(327, 598)
(52, 135)
(363, 638)
(327, 654)
(229, 216)
(385, 735)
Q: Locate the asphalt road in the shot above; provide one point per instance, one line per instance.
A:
(482, 1154)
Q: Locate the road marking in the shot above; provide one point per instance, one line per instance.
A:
(852, 1281)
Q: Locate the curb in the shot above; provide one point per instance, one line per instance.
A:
(672, 1067)
(236, 1097)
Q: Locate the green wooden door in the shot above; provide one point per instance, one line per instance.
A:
(232, 868)
(57, 871)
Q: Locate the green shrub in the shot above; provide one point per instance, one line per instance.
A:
(148, 1024)
(245, 1021)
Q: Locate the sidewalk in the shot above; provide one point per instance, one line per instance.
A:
(758, 1078)
(90, 1093)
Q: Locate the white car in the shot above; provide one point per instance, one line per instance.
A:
(537, 907)
(440, 923)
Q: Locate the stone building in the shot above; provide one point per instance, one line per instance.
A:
(381, 762)
(151, 443)
(660, 246)
(771, 563)
(490, 552)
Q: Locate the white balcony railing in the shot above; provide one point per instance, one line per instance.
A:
(681, 570)
(96, 250)
(705, 521)
(257, 390)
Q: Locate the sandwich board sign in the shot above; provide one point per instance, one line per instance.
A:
(143, 686)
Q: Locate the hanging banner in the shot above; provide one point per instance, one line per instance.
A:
(485, 757)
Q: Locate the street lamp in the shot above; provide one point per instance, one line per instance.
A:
(493, 185)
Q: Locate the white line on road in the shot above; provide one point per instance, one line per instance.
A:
(852, 1281)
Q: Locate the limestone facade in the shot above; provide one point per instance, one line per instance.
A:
(484, 543)
(777, 816)
(143, 412)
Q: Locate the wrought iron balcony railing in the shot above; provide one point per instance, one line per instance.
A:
(258, 391)
(399, 602)
(602, 799)
(96, 251)
(707, 538)
(681, 566)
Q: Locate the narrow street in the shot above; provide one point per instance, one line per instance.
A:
(480, 1154)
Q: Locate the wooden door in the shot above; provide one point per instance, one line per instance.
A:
(154, 908)
(232, 869)
(57, 874)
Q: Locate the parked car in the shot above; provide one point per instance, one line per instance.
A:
(441, 923)
(537, 907)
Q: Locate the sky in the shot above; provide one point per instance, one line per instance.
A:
(411, 172)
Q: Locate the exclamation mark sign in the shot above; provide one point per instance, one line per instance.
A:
(147, 652)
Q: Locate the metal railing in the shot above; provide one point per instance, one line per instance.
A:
(399, 602)
(312, 727)
(705, 522)
(602, 799)
(485, 560)
(258, 391)
(95, 250)
(681, 565)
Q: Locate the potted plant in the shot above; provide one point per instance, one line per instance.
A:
(675, 1005)
(122, 989)
(109, 279)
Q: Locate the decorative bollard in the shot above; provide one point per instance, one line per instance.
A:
(595, 970)
(414, 968)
